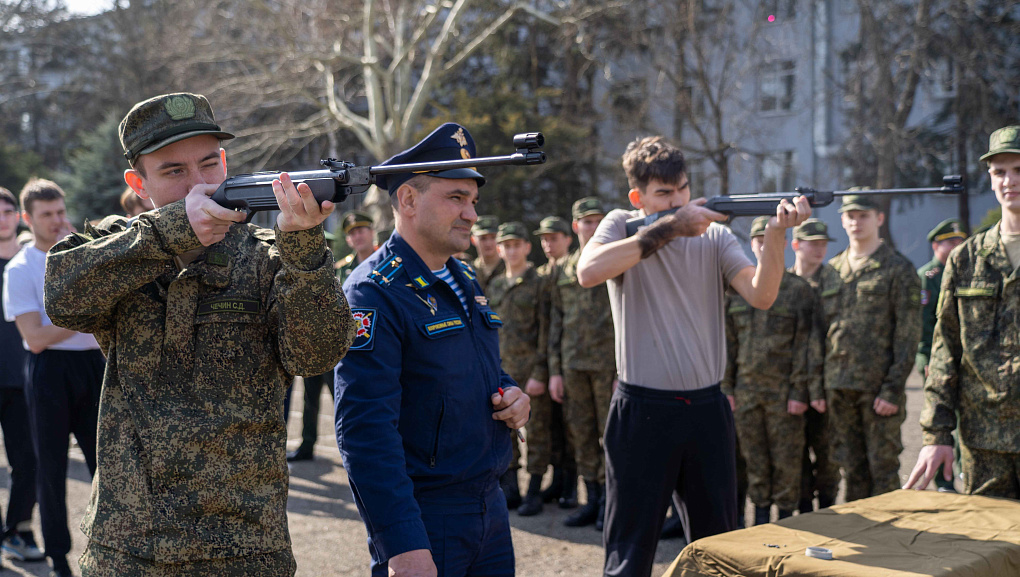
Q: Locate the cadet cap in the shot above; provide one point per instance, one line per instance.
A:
(487, 224)
(945, 230)
(812, 229)
(587, 206)
(758, 226)
(551, 224)
(1005, 139)
(354, 219)
(450, 141)
(165, 119)
(858, 201)
(512, 230)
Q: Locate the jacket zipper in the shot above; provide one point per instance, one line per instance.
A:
(435, 445)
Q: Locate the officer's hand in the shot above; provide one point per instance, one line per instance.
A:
(209, 220)
(555, 388)
(818, 405)
(534, 388)
(795, 407)
(928, 461)
(298, 208)
(733, 403)
(791, 215)
(513, 407)
(417, 563)
(885, 408)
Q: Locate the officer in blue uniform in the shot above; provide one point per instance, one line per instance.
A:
(423, 429)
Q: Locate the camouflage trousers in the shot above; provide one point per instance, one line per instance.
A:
(865, 445)
(100, 561)
(820, 476)
(772, 442)
(990, 473)
(586, 407)
(539, 434)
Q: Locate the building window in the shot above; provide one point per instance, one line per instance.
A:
(779, 172)
(777, 85)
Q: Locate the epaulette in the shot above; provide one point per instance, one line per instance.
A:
(933, 272)
(466, 268)
(384, 274)
(347, 259)
(263, 234)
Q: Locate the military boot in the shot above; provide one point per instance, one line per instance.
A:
(806, 506)
(825, 502)
(555, 487)
(762, 515)
(568, 497)
(532, 504)
(588, 512)
(600, 518)
(785, 514)
(512, 491)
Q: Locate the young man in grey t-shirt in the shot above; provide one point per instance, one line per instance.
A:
(669, 426)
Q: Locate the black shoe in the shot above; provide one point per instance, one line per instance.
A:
(672, 528)
(785, 514)
(60, 568)
(762, 515)
(532, 504)
(600, 518)
(300, 455)
(825, 502)
(806, 506)
(555, 488)
(511, 490)
(588, 512)
(568, 498)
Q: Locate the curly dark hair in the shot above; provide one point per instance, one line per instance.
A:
(653, 157)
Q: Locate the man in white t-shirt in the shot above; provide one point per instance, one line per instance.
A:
(65, 368)
(670, 428)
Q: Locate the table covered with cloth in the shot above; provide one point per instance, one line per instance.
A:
(903, 533)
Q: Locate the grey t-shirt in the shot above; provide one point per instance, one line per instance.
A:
(668, 308)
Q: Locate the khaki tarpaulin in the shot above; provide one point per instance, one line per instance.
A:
(904, 533)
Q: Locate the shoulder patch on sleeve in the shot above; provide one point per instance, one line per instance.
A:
(364, 322)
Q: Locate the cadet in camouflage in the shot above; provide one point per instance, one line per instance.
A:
(358, 235)
(869, 351)
(767, 373)
(946, 236)
(582, 361)
(819, 477)
(483, 237)
(205, 321)
(974, 374)
(515, 296)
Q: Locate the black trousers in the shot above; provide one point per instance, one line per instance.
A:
(310, 413)
(62, 391)
(20, 456)
(658, 442)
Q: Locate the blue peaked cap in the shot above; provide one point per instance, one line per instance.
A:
(450, 141)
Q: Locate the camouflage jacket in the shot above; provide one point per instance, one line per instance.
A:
(931, 280)
(826, 285)
(521, 344)
(767, 351)
(580, 324)
(484, 275)
(975, 360)
(192, 438)
(875, 324)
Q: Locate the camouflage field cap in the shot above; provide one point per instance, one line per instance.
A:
(947, 229)
(1005, 139)
(166, 119)
(859, 201)
(487, 224)
(758, 226)
(354, 219)
(512, 230)
(812, 229)
(551, 224)
(587, 206)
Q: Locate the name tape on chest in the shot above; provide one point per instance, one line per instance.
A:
(228, 304)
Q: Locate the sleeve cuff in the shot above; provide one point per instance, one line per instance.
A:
(302, 249)
(937, 438)
(401, 538)
(173, 227)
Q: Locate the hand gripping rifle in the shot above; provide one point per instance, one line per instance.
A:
(339, 179)
(765, 204)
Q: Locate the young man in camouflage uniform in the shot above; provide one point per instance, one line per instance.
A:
(515, 296)
(767, 373)
(821, 477)
(869, 351)
(205, 320)
(358, 235)
(483, 238)
(972, 377)
(582, 363)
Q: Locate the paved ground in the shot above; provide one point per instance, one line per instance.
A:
(329, 538)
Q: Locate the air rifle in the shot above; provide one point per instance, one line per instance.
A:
(339, 179)
(765, 204)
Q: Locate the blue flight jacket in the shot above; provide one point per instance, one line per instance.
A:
(413, 411)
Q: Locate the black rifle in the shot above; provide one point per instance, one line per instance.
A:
(765, 204)
(254, 192)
